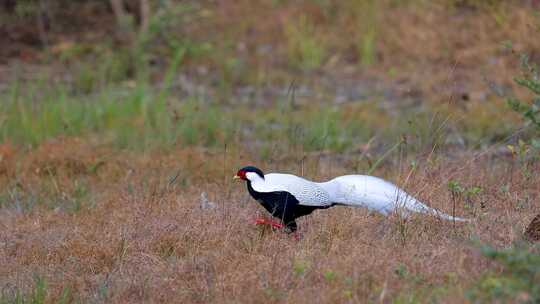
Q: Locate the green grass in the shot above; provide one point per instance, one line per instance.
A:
(140, 114)
(305, 48)
(366, 19)
(519, 281)
(50, 194)
(141, 117)
(37, 295)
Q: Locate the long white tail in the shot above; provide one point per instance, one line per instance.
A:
(378, 195)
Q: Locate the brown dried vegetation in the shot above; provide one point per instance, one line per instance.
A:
(146, 237)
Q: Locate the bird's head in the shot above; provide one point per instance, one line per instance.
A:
(249, 173)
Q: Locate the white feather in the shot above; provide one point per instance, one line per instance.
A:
(306, 192)
(354, 190)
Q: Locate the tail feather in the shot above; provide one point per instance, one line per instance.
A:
(378, 195)
(422, 208)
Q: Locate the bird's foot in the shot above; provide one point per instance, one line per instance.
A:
(263, 221)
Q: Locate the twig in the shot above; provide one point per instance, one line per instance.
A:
(145, 16)
(42, 21)
(123, 19)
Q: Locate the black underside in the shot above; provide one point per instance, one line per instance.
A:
(283, 205)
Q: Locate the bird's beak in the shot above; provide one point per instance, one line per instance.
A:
(236, 177)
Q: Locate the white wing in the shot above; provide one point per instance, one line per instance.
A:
(306, 192)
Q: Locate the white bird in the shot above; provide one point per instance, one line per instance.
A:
(288, 196)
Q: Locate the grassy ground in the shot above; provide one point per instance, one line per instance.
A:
(94, 225)
(116, 154)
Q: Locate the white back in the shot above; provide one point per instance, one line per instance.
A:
(306, 192)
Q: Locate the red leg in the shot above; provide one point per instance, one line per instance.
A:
(259, 221)
(276, 225)
(263, 221)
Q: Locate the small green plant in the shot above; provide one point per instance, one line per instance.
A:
(525, 154)
(520, 150)
(329, 275)
(300, 267)
(401, 271)
(469, 195)
(274, 293)
(40, 291)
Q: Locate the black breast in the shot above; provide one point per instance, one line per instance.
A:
(282, 205)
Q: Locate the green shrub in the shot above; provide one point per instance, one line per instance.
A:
(519, 280)
(530, 110)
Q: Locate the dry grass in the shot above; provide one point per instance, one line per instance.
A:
(145, 238)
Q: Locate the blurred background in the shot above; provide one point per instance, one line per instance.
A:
(271, 75)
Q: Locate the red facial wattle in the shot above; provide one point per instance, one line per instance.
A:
(241, 174)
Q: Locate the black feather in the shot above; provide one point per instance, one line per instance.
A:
(253, 169)
(282, 205)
